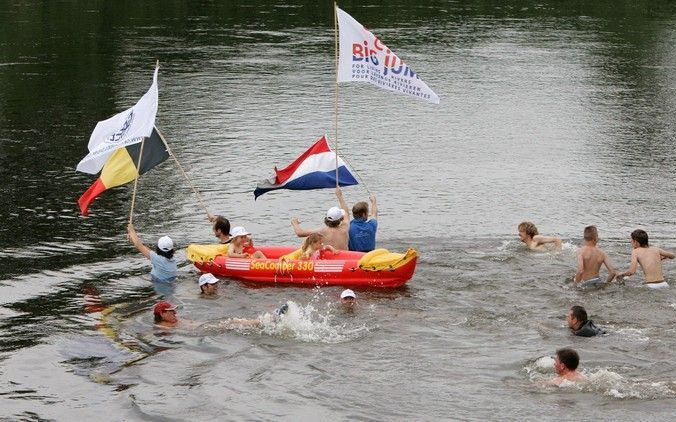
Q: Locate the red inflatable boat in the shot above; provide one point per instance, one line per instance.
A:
(378, 268)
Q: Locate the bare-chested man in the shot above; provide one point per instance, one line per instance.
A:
(649, 257)
(566, 362)
(589, 260)
(336, 230)
(529, 235)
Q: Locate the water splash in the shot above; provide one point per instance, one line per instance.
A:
(307, 324)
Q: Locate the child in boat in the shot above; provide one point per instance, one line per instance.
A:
(313, 245)
(239, 246)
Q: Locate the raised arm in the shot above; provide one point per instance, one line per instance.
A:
(300, 232)
(374, 207)
(133, 238)
(343, 204)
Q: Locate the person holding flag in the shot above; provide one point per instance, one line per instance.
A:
(336, 230)
(164, 266)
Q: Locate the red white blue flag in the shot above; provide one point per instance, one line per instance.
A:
(314, 169)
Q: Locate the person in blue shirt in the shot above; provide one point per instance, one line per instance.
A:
(162, 258)
(363, 225)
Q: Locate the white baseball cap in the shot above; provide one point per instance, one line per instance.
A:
(207, 278)
(334, 214)
(165, 243)
(239, 231)
(347, 293)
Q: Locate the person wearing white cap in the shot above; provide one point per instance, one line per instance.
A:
(335, 232)
(240, 239)
(162, 258)
(347, 297)
(208, 284)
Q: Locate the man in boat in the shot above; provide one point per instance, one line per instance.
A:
(336, 230)
(221, 228)
(566, 362)
(589, 260)
(362, 233)
(529, 235)
(208, 283)
(581, 326)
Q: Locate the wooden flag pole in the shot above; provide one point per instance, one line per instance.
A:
(180, 167)
(335, 33)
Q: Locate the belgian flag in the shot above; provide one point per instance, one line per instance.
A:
(122, 164)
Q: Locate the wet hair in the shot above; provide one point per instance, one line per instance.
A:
(641, 237)
(333, 223)
(591, 233)
(360, 210)
(222, 224)
(529, 228)
(167, 254)
(569, 358)
(314, 237)
(579, 313)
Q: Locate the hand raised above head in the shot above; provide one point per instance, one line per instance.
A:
(339, 192)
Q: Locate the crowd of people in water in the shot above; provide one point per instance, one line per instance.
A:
(359, 234)
(589, 260)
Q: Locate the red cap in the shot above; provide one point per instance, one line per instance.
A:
(163, 306)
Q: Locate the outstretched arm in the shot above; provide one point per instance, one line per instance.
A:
(611, 270)
(133, 238)
(541, 240)
(632, 266)
(300, 232)
(343, 204)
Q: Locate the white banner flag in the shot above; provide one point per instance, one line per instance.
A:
(363, 57)
(126, 128)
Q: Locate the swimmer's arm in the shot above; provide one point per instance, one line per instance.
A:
(611, 270)
(300, 232)
(632, 266)
(541, 240)
(580, 266)
(666, 254)
(133, 238)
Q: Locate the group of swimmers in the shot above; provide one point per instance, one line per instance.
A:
(338, 234)
(589, 259)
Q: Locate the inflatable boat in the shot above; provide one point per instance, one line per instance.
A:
(378, 268)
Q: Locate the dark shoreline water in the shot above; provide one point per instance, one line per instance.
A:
(559, 113)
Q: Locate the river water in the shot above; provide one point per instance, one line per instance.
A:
(555, 112)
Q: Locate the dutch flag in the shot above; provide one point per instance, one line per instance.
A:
(315, 169)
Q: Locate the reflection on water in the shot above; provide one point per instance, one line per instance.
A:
(559, 113)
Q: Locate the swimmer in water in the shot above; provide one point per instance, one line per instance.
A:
(649, 258)
(348, 299)
(581, 326)
(208, 284)
(166, 317)
(589, 260)
(566, 362)
(529, 235)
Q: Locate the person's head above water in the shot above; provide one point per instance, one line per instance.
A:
(640, 237)
(527, 228)
(576, 317)
(208, 284)
(165, 313)
(165, 247)
(566, 360)
(348, 297)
